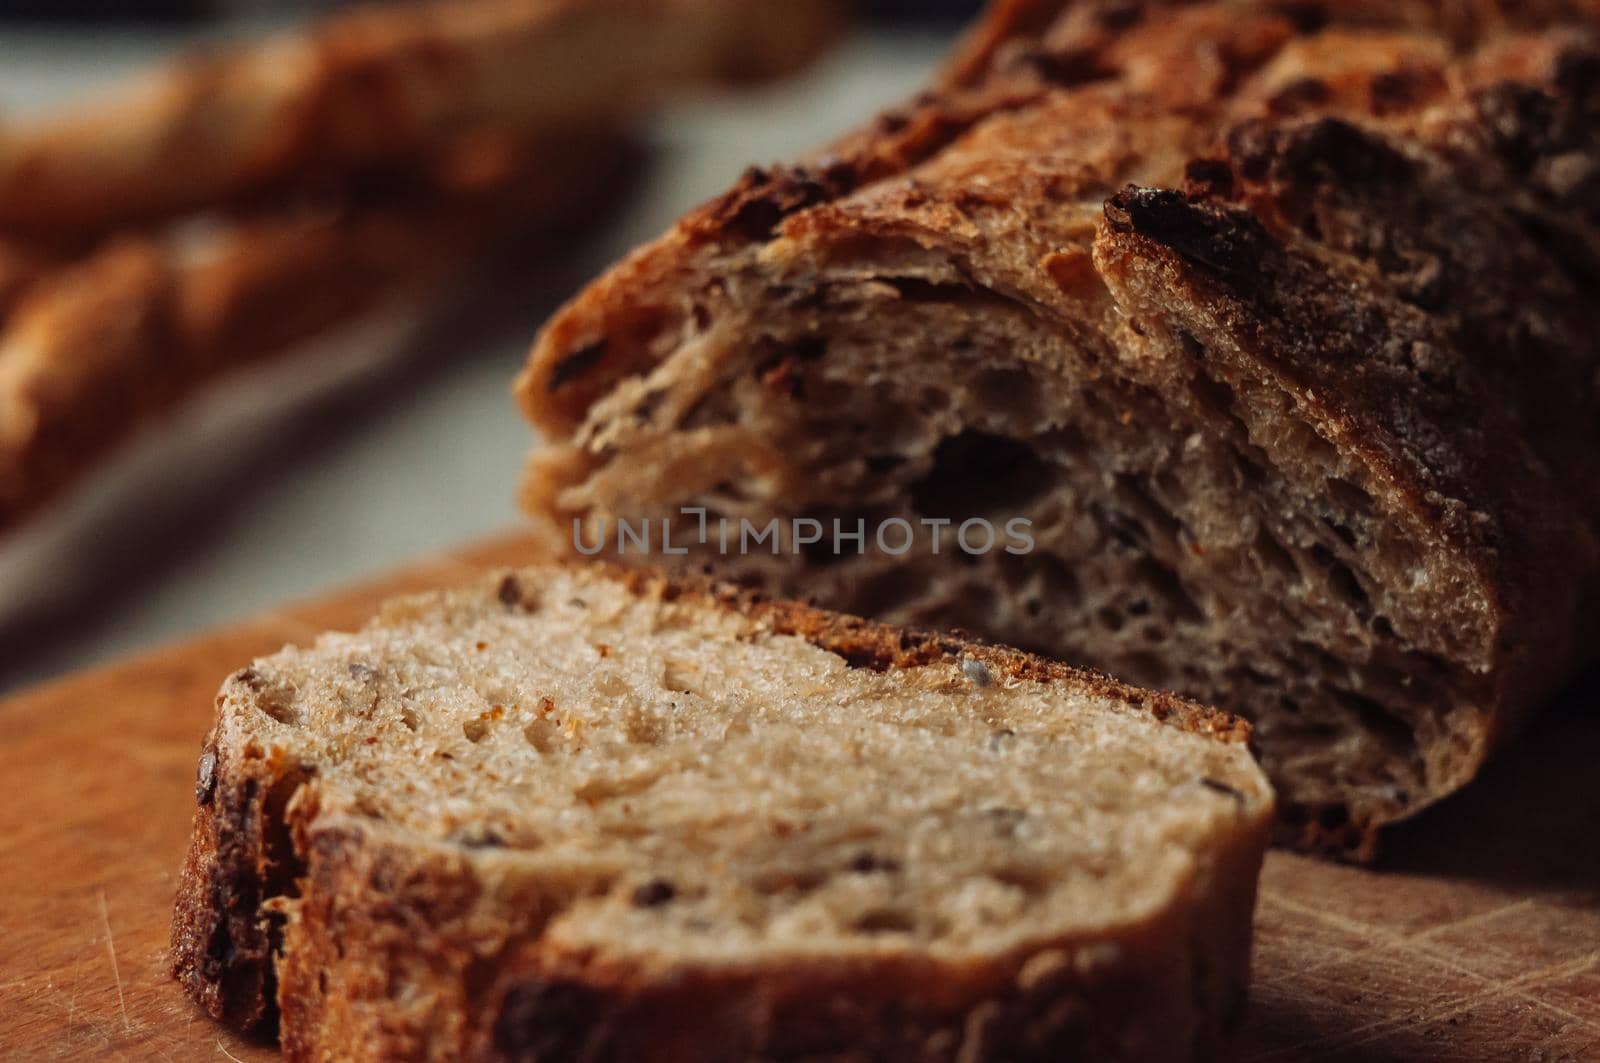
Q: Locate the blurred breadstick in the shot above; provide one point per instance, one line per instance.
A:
(93, 351)
(381, 88)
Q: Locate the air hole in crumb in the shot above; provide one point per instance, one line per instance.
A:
(779, 881)
(408, 717)
(1391, 731)
(1344, 583)
(885, 921)
(889, 590)
(1271, 553)
(1029, 880)
(1012, 392)
(654, 894)
(867, 862)
(867, 657)
(975, 473)
(1004, 818)
(1144, 668)
(1165, 583)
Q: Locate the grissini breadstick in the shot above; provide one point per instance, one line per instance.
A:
(95, 349)
(381, 89)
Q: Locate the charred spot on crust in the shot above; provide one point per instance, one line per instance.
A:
(1227, 243)
(1323, 151)
(1577, 74)
(1064, 69)
(756, 206)
(1120, 14)
(1404, 89)
(1520, 121)
(1208, 179)
(1299, 95)
(1306, 16)
(577, 362)
(544, 1021)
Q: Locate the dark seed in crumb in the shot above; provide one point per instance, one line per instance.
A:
(510, 591)
(867, 862)
(653, 894)
(1005, 818)
(206, 777)
(1222, 788)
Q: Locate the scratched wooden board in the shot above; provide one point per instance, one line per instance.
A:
(1479, 940)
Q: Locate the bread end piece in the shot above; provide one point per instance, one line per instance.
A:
(376, 943)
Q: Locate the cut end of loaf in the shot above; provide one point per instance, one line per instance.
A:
(620, 793)
(1283, 357)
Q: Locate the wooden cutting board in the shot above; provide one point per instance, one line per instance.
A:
(1478, 940)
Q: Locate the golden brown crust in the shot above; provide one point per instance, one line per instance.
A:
(1386, 209)
(366, 903)
(240, 855)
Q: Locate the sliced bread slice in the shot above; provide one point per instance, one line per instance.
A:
(585, 814)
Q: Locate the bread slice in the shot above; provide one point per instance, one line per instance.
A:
(1274, 323)
(580, 814)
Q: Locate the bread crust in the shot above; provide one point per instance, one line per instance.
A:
(373, 910)
(1359, 202)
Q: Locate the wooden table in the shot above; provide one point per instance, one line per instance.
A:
(1478, 940)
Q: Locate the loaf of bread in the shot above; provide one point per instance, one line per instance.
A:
(1273, 324)
(583, 814)
(379, 90)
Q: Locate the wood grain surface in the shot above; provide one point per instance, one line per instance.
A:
(1478, 939)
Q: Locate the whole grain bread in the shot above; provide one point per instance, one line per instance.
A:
(1276, 321)
(580, 813)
